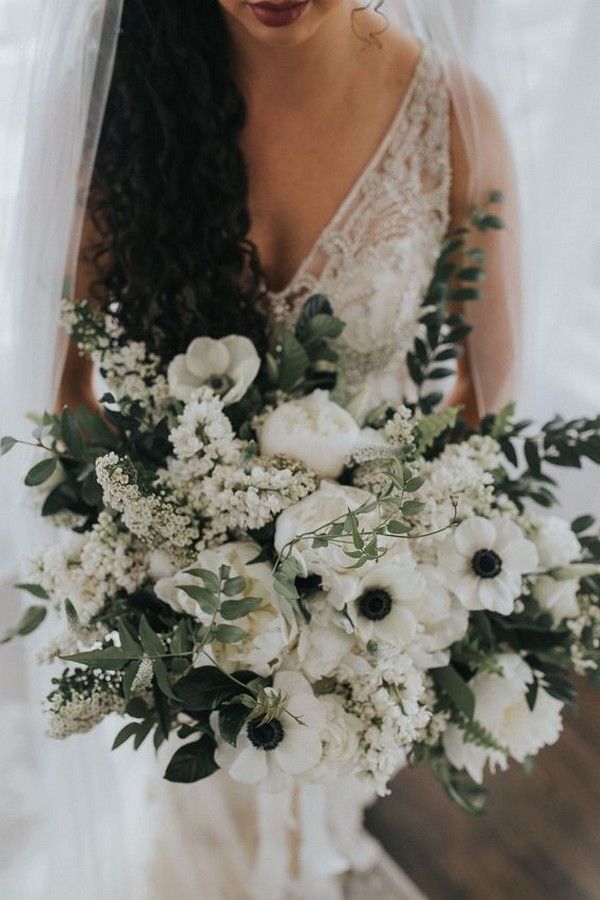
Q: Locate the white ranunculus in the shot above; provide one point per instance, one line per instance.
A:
(314, 430)
(501, 707)
(483, 562)
(327, 503)
(555, 541)
(228, 366)
(324, 644)
(557, 597)
(340, 739)
(271, 754)
(441, 618)
(270, 628)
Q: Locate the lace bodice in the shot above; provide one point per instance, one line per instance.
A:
(375, 258)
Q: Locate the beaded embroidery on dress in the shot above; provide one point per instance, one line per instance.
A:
(375, 259)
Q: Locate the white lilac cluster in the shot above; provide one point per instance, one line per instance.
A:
(151, 515)
(246, 499)
(90, 569)
(462, 471)
(131, 373)
(81, 700)
(92, 331)
(388, 698)
(400, 429)
(203, 437)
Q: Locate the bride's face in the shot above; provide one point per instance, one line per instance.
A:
(281, 22)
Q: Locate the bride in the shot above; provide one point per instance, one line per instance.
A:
(252, 154)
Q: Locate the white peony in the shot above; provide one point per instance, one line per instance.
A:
(557, 597)
(271, 753)
(228, 366)
(269, 628)
(329, 502)
(501, 707)
(555, 541)
(314, 430)
(483, 562)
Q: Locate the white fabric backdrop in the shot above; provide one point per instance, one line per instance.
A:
(556, 133)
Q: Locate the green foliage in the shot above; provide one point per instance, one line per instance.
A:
(206, 688)
(454, 687)
(308, 358)
(430, 427)
(31, 619)
(457, 275)
(193, 761)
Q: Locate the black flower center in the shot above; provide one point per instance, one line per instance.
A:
(486, 564)
(375, 605)
(219, 383)
(266, 735)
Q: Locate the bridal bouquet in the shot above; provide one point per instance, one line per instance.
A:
(291, 589)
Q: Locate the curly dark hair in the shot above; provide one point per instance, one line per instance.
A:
(169, 190)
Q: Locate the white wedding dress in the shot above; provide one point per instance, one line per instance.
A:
(220, 840)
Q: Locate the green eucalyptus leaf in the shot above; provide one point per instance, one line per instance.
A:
(293, 362)
(211, 581)
(234, 586)
(6, 444)
(229, 634)
(36, 590)
(29, 621)
(207, 600)
(41, 472)
(237, 609)
(71, 433)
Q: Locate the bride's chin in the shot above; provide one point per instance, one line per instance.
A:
(278, 23)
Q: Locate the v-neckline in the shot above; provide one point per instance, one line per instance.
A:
(357, 183)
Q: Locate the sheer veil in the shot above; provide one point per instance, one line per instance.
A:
(61, 52)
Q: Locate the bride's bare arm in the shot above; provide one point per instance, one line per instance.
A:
(76, 387)
(487, 369)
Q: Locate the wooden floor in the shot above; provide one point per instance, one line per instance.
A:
(539, 841)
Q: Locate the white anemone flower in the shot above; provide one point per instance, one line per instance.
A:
(271, 753)
(483, 562)
(380, 609)
(228, 366)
